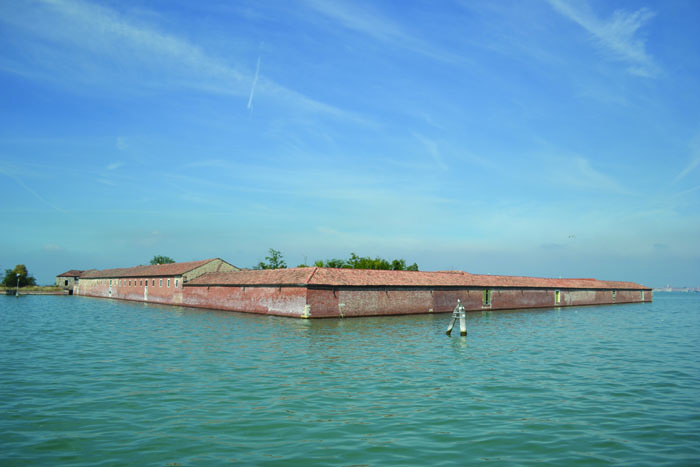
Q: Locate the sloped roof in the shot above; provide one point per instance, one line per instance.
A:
(172, 269)
(71, 273)
(380, 278)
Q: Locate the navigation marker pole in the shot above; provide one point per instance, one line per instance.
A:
(460, 313)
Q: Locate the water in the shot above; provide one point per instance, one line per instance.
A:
(97, 382)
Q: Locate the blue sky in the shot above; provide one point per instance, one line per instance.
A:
(547, 138)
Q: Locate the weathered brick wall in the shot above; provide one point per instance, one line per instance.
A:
(349, 302)
(346, 301)
(134, 289)
(520, 298)
(282, 301)
(322, 303)
(66, 282)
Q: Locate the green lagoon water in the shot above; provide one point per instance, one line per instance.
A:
(94, 382)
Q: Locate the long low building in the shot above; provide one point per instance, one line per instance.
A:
(326, 292)
(160, 283)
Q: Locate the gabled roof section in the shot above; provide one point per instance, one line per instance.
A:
(172, 269)
(383, 278)
(71, 273)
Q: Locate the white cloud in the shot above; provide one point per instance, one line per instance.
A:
(578, 172)
(369, 21)
(694, 159)
(432, 148)
(692, 165)
(617, 35)
(73, 42)
(121, 144)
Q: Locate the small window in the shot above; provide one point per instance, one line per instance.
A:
(129, 282)
(614, 294)
(557, 296)
(486, 298)
(176, 281)
(66, 283)
(168, 282)
(161, 283)
(153, 282)
(642, 295)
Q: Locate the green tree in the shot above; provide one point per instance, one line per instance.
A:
(10, 279)
(160, 259)
(274, 261)
(365, 262)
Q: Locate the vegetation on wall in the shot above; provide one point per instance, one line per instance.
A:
(11, 278)
(160, 259)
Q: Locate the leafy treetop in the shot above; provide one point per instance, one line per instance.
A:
(10, 279)
(365, 262)
(160, 259)
(274, 261)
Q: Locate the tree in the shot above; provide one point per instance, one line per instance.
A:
(160, 259)
(274, 261)
(365, 262)
(10, 279)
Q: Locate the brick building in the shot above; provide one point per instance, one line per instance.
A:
(68, 280)
(161, 283)
(326, 292)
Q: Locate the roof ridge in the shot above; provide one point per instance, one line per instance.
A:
(308, 279)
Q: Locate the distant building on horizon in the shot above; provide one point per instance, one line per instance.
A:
(68, 280)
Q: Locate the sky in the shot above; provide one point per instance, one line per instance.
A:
(548, 138)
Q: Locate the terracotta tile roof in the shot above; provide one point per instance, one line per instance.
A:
(380, 278)
(293, 276)
(71, 273)
(172, 269)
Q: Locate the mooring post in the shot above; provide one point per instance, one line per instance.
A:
(460, 313)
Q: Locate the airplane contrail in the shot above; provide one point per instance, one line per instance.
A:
(255, 81)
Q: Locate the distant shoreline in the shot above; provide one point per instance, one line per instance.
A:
(673, 290)
(42, 290)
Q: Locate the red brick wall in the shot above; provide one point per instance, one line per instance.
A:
(348, 301)
(133, 289)
(282, 301)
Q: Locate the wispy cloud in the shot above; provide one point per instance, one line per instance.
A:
(618, 35)
(369, 21)
(578, 172)
(121, 143)
(114, 165)
(360, 19)
(431, 147)
(694, 159)
(31, 191)
(71, 42)
(692, 165)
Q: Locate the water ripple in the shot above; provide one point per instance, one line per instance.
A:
(97, 382)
